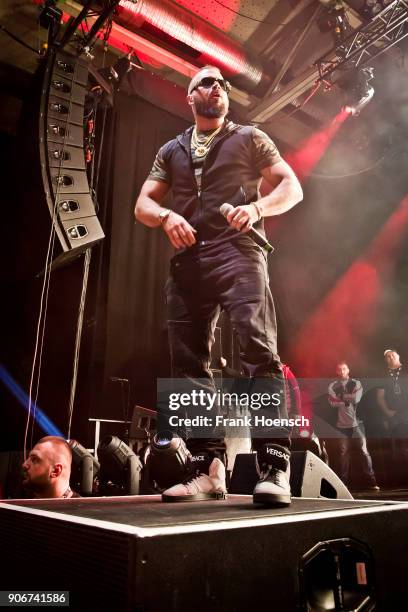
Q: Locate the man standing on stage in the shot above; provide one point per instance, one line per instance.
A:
(217, 264)
(344, 396)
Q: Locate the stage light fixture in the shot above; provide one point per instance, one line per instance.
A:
(50, 16)
(373, 7)
(84, 470)
(116, 73)
(361, 92)
(167, 460)
(333, 18)
(120, 467)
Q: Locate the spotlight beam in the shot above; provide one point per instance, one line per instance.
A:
(316, 346)
(312, 150)
(40, 417)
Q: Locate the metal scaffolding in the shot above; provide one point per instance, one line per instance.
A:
(77, 27)
(384, 30)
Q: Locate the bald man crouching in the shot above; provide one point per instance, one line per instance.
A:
(47, 469)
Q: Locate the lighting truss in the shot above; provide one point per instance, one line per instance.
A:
(383, 31)
(76, 25)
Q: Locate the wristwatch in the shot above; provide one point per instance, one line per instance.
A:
(164, 214)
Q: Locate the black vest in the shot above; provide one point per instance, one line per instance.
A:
(228, 175)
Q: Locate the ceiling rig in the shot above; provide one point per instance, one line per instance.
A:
(385, 29)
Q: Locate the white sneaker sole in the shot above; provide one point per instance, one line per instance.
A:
(272, 499)
(196, 497)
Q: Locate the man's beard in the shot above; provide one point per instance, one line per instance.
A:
(210, 110)
(38, 484)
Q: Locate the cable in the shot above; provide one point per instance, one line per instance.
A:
(47, 290)
(90, 143)
(17, 39)
(90, 138)
(37, 390)
(39, 344)
(108, 29)
(81, 310)
(249, 17)
(42, 316)
(99, 161)
(306, 100)
(40, 325)
(349, 174)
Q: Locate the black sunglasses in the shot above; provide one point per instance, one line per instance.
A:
(208, 82)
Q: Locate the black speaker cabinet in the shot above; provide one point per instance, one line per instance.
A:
(50, 169)
(309, 477)
(62, 152)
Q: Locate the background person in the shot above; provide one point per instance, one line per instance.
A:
(392, 398)
(344, 394)
(47, 469)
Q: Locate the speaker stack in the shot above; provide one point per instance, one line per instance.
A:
(62, 155)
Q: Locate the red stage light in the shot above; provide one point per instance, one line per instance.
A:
(312, 150)
(349, 110)
(347, 317)
(306, 158)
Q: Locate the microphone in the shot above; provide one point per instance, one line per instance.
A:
(116, 379)
(256, 236)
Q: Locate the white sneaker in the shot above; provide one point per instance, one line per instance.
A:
(273, 486)
(200, 486)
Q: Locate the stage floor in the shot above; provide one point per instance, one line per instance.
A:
(149, 512)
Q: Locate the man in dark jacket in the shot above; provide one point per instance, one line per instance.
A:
(392, 397)
(217, 265)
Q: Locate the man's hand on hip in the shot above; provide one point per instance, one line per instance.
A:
(179, 231)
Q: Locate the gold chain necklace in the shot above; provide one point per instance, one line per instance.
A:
(202, 144)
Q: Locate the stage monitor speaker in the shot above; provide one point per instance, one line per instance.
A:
(143, 426)
(51, 141)
(309, 477)
(338, 575)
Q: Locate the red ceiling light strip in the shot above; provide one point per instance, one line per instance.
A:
(212, 45)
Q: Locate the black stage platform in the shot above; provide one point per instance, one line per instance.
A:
(136, 553)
